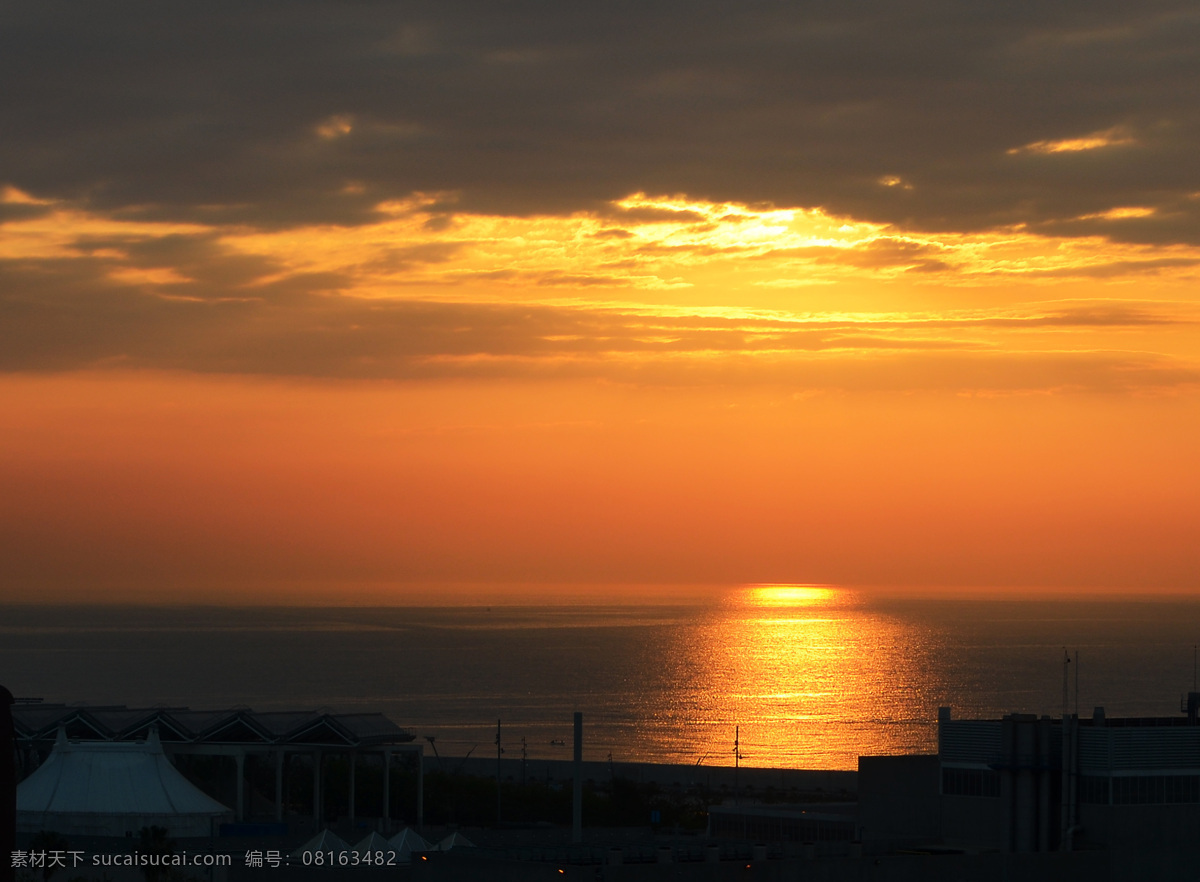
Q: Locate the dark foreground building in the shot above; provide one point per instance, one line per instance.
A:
(1038, 784)
(1023, 797)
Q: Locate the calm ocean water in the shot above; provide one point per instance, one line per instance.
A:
(812, 677)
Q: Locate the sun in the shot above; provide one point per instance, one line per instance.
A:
(790, 595)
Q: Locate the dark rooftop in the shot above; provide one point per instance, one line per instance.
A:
(39, 722)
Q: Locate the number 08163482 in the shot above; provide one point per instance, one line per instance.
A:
(348, 858)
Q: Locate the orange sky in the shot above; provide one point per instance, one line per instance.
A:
(772, 397)
(791, 295)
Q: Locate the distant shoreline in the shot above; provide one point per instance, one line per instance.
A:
(663, 598)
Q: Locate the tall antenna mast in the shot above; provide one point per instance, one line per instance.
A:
(499, 750)
(1077, 682)
(1066, 679)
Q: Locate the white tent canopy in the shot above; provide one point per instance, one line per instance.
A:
(114, 788)
(455, 840)
(406, 842)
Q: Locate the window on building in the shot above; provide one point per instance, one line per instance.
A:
(1093, 790)
(1155, 789)
(970, 782)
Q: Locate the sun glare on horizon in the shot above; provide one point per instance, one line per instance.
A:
(791, 595)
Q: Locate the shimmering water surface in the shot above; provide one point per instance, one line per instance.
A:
(812, 677)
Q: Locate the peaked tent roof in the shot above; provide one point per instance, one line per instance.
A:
(106, 788)
(455, 840)
(409, 840)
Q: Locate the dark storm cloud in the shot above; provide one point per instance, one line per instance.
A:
(275, 113)
(19, 211)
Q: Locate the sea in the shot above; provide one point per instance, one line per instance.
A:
(794, 676)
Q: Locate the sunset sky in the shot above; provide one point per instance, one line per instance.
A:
(380, 301)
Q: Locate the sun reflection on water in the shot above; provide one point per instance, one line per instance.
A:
(812, 675)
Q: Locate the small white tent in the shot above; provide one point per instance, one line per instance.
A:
(406, 842)
(110, 789)
(455, 840)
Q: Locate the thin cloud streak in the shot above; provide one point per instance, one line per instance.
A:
(52, 320)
